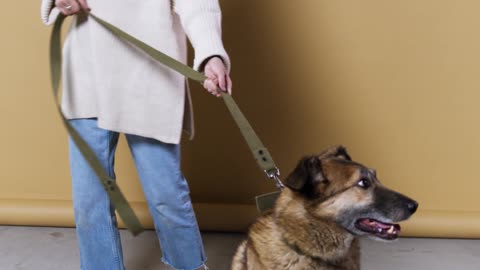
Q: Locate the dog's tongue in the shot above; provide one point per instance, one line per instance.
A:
(377, 224)
(384, 230)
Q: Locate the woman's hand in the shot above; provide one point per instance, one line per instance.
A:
(72, 7)
(217, 76)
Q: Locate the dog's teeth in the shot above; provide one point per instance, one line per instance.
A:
(391, 230)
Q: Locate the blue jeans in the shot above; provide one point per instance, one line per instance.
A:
(165, 189)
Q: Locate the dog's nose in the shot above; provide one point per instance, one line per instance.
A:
(412, 206)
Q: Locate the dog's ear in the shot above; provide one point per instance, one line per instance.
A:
(306, 175)
(337, 151)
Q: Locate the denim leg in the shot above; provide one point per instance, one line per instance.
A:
(97, 233)
(168, 197)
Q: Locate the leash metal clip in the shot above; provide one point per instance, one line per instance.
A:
(274, 175)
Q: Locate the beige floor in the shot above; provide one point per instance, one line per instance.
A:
(32, 248)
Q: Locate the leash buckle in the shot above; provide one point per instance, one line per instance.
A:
(274, 175)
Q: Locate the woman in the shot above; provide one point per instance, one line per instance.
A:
(110, 87)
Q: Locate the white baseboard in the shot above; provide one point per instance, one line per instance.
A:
(231, 218)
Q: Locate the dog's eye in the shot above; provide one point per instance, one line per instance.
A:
(364, 183)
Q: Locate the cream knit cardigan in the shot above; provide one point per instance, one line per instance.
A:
(127, 91)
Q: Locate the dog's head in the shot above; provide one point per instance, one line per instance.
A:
(336, 188)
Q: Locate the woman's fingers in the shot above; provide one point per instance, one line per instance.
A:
(220, 74)
(215, 68)
(211, 85)
(84, 5)
(71, 7)
(229, 84)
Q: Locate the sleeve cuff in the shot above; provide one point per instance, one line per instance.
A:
(201, 21)
(201, 60)
(49, 12)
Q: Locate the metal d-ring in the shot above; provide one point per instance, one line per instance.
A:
(274, 175)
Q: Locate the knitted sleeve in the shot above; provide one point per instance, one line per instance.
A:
(201, 21)
(49, 12)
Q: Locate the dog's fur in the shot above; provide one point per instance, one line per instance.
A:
(314, 223)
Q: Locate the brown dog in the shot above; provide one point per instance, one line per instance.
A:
(328, 202)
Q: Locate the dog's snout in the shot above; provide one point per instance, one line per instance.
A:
(412, 206)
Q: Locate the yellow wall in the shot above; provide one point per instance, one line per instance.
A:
(394, 81)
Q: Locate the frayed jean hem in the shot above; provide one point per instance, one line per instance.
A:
(202, 266)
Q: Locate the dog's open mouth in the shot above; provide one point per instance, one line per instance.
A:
(382, 230)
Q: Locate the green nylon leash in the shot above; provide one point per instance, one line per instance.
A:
(261, 154)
